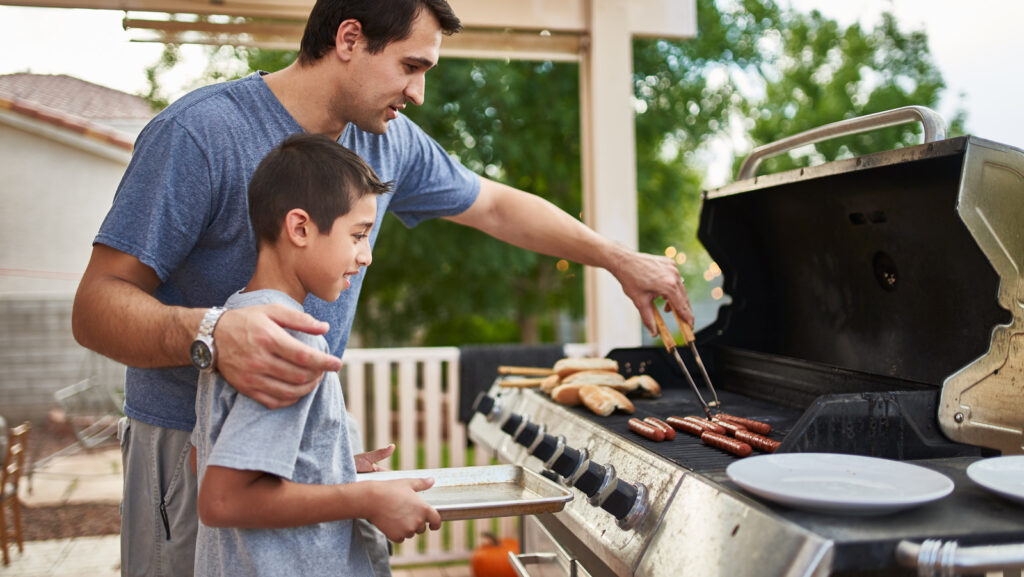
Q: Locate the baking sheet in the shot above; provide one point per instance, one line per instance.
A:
(484, 492)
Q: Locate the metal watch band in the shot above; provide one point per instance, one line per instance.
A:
(209, 322)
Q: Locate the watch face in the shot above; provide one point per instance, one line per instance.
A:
(202, 358)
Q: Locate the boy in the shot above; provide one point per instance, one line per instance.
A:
(276, 487)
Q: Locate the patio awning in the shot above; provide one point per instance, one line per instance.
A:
(596, 33)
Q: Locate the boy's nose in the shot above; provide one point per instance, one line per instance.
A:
(364, 257)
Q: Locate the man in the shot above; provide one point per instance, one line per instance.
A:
(177, 241)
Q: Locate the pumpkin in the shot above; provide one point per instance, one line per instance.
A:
(490, 559)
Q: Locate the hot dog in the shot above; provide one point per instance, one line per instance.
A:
(669, 432)
(706, 424)
(756, 426)
(730, 427)
(758, 442)
(738, 448)
(685, 425)
(646, 430)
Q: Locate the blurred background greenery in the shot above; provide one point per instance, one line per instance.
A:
(756, 72)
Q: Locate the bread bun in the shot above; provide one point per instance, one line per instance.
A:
(549, 383)
(602, 401)
(645, 385)
(599, 378)
(568, 366)
(567, 394)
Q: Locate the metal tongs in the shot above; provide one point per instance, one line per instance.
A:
(670, 345)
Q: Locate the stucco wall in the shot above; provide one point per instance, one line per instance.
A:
(55, 190)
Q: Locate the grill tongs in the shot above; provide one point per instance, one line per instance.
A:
(670, 345)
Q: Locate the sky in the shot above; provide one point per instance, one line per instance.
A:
(977, 44)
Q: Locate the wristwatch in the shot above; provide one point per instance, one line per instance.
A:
(202, 351)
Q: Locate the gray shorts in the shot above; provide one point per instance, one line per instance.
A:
(158, 507)
(159, 518)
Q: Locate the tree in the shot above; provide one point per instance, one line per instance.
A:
(770, 71)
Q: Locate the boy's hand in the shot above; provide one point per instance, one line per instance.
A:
(367, 462)
(260, 359)
(399, 512)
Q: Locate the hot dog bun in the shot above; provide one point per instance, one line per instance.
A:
(603, 401)
(568, 366)
(567, 394)
(645, 385)
(599, 378)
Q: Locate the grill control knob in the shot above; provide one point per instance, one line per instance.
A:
(545, 449)
(627, 503)
(487, 406)
(590, 480)
(567, 462)
(512, 424)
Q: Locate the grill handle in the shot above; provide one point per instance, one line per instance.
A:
(519, 562)
(936, 558)
(933, 124)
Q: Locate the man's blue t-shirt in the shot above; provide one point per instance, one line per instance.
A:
(181, 209)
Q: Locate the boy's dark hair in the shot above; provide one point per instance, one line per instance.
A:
(384, 22)
(311, 172)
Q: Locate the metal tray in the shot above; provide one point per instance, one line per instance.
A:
(484, 492)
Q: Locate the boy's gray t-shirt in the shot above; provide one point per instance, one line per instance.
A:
(305, 443)
(181, 209)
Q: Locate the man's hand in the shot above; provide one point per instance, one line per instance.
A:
(645, 277)
(399, 512)
(265, 363)
(367, 462)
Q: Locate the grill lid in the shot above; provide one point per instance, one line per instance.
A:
(904, 264)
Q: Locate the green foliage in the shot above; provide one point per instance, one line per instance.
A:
(754, 68)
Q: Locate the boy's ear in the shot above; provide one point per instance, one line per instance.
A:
(298, 227)
(345, 39)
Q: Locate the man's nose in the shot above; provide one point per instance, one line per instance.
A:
(416, 89)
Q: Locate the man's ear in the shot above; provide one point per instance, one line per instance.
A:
(349, 33)
(298, 227)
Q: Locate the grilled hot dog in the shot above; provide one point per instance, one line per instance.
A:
(669, 432)
(646, 430)
(685, 425)
(738, 448)
(759, 442)
(758, 427)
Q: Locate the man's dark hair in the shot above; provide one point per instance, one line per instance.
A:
(311, 172)
(383, 21)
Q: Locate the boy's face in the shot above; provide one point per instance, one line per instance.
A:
(333, 259)
(381, 84)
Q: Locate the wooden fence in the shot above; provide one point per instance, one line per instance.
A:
(410, 397)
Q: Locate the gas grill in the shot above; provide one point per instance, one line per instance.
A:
(877, 309)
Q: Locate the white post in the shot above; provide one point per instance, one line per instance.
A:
(609, 167)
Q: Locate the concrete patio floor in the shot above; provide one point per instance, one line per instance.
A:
(95, 477)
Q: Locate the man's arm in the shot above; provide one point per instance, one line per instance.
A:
(530, 222)
(116, 314)
(256, 500)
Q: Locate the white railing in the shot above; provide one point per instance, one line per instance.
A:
(410, 397)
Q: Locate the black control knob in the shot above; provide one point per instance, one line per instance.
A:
(546, 448)
(511, 424)
(621, 499)
(566, 463)
(590, 480)
(483, 404)
(528, 435)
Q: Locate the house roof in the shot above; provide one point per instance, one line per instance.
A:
(89, 109)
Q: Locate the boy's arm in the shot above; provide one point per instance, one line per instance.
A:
(256, 500)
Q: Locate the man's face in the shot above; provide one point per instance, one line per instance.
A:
(381, 84)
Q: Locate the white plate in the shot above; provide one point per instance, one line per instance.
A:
(835, 483)
(1002, 475)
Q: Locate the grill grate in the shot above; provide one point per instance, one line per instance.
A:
(686, 450)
